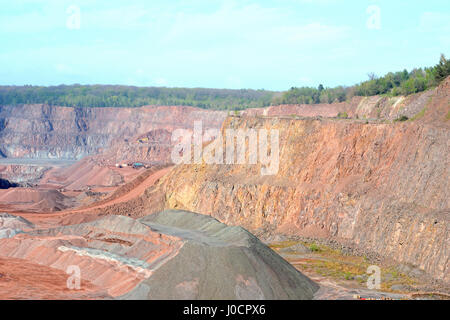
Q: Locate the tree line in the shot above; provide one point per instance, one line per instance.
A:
(129, 96)
(393, 83)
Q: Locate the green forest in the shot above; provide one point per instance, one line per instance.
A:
(393, 83)
(128, 96)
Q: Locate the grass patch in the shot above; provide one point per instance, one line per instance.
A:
(339, 269)
(314, 247)
(447, 117)
(282, 244)
(332, 263)
(401, 119)
(419, 115)
(342, 115)
(397, 278)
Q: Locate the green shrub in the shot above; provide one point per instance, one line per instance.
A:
(401, 119)
(314, 247)
(419, 115)
(342, 115)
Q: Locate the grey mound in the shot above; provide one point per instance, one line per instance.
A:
(218, 262)
(11, 225)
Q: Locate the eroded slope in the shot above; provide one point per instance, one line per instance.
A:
(380, 186)
(170, 255)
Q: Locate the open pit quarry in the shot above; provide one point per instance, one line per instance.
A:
(51, 132)
(360, 186)
(41, 137)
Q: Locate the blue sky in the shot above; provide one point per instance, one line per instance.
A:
(271, 44)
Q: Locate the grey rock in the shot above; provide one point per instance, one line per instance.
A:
(218, 262)
(400, 287)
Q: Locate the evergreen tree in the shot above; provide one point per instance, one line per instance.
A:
(442, 69)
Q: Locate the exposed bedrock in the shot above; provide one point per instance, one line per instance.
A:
(169, 255)
(41, 131)
(384, 187)
(381, 187)
(18, 173)
(374, 107)
(52, 132)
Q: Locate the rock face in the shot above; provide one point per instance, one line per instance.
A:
(50, 132)
(374, 107)
(22, 173)
(41, 131)
(383, 187)
(170, 255)
(309, 110)
(152, 147)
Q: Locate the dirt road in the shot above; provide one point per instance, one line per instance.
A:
(52, 218)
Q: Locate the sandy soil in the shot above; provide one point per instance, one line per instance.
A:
(22, 279)
(37, 200)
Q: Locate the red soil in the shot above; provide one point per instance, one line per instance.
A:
(33, 199)
(22, 279)
(83, 214)
(87, 173)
